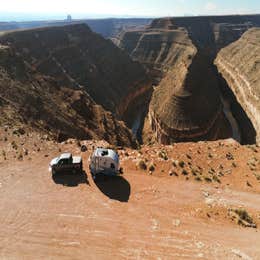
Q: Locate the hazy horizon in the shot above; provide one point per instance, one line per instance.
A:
(17, 10)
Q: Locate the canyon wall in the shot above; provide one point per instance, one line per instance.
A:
(179, 54)
(69, 81)
(239, 64)
(76, 55)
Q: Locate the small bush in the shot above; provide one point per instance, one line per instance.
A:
(207, 179)
(210, 155)
(175, 163)
(151, 168)
(142, 165)
(14, 145)
(229, 156)
(20, 157)
(194, 172)
(216, 179)
(234, 164)
(198, 178)
(243, 218)
(182, 164)
(163, 154)
(257, 176)
(188, 156)
(184, 172)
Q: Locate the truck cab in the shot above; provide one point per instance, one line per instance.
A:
(65, 163)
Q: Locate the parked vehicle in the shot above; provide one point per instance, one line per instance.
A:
(104, 161)
(66, 163)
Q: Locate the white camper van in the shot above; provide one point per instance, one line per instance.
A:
(104, 161)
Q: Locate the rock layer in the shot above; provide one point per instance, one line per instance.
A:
(239, 63)
(179, 54)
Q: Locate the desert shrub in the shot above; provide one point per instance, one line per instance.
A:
(243, 217)
(182, 164)
(207, 179)
(197, 178)
(229, 156)
(188, 156)
(257, 176)
(142, 165)
(14, 145)
(216, 179)
(194, 172)
(234, 164)
(20, 157)
(151, 168)
(163, 154)
(184, 172)
(210, 155)
(175, 163)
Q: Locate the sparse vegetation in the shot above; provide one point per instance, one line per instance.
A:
(229, 156)
(151, 168)
(242, 217)
(184, 172)
(20, 156)
(188, 156)
(4, 154)
(210, 155)
(163, 154)
(257, 176)
(216, 179)
(207, 179)
(234, 164)
(142, 165)
(197, 178)
(175, 163)
(14, 145)
(181, 164)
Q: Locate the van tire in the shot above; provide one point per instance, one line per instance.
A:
(53, 172)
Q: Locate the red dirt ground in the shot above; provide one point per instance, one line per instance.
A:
(139, 215)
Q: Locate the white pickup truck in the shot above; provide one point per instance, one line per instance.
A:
(66, 163)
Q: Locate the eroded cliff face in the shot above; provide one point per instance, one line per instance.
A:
(239, 63)
(76, 55)
(65, 79)
(179, 54)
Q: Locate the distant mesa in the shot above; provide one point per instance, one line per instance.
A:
(69, 18)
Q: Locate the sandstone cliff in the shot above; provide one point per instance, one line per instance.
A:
(179, 53)
(64, 79)
(239, 64)
(76, 55)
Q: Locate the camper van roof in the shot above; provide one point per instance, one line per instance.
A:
(102, 152)
(65, 156)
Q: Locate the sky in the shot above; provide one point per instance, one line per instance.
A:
(125, 8)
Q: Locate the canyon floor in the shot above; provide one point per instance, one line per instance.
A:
(181, 207)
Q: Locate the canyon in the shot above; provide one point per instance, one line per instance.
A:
(69, 82)
(163, 101)
(179, 54)
(171, 60)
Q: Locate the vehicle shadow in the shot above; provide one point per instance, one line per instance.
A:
(70, 179)
(114, 187)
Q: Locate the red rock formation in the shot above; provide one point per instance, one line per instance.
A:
(239, 64)
(62, 79)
